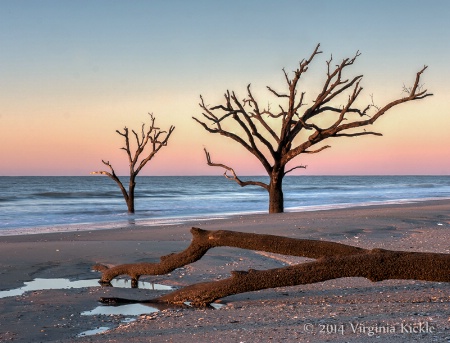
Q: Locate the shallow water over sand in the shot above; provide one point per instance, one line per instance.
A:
(46, 204)
(43, 284)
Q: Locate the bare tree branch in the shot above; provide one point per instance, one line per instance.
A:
(292, 169)
(357, 134)
(116, 179)
(412, 96)
(258, 115)
(277, 94)
(234, 177)
(317, 150)
(250, 131)
(336, 129)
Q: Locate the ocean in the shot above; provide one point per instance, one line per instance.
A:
(49, 204)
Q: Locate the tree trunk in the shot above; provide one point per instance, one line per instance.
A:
(130, 199)
(375, 265)
(276, 198)
(130, 204)
(334, 260)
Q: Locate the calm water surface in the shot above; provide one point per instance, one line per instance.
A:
(47, 202)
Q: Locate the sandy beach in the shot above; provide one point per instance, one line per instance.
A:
(342, 310)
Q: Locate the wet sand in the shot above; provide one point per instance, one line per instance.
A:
(343, 310)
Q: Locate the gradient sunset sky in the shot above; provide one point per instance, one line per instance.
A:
(72, 72)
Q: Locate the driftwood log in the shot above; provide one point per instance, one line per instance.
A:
(333, 260)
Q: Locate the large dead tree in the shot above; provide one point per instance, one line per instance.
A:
(155, 139)
(276, 137)
(333, 260)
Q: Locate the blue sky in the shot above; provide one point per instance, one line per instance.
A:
(72, 72)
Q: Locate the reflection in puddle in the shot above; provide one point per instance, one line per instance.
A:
(128, 320)
(125, 283)
(94, 331)
(217, 306)
(42, 284)
(125, 310)
(138, 309)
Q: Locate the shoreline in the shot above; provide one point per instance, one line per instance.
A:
(282, 313)
(170, 221)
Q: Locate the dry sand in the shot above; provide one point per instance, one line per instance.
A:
(343, 310)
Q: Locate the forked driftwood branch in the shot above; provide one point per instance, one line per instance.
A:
(333, 260)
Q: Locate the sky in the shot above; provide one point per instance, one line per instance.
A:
(73, 72)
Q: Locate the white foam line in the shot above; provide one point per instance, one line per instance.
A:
(360, 204)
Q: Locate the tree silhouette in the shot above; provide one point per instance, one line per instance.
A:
(276, 137)
(152, 137)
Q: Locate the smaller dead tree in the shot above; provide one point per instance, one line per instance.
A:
(152, 137)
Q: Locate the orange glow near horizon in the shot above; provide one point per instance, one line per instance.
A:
(67, 146)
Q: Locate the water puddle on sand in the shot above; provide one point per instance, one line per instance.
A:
(101, 329)
(43, 284)
(133, 310)
(124, 310)
(136, 309)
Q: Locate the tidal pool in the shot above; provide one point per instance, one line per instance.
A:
(94, 331)
(124, 310)
(133, 310)
(42, 284)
